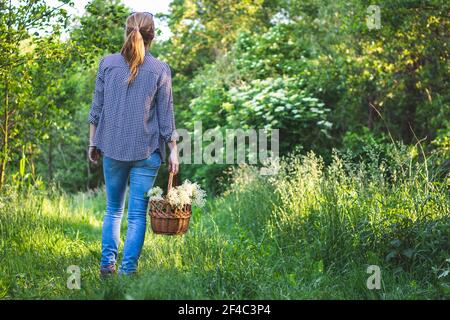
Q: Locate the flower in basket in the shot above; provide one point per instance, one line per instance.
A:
(187, 193)
(155, 194)
(177, 198)
(196, 193)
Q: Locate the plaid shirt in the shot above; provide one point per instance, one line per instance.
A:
(132, 120)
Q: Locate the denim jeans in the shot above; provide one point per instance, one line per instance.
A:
(142, 174)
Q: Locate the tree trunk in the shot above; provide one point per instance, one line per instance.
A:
(370, 102)
(370, 117)
(5, 130)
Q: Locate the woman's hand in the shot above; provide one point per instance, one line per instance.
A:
(94, 154)
(173, 162)
(174, 165)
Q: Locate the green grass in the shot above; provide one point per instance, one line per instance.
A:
(307, 233)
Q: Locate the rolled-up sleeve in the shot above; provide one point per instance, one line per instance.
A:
(97, 101)
(164, 105)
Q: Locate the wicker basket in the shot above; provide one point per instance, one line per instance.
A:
(167, 220)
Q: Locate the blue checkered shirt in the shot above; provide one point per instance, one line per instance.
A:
(132, 120)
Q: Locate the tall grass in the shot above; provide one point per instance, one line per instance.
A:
(309, 231)
(349, 215)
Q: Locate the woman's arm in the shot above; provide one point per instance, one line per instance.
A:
(166, 119)
(93, 153)
(92, 129)
(94, 113)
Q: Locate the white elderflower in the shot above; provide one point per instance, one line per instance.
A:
(198, 196)
(188, 187)
(155, 193)
(187, 193)
(183, 196)
(173, 199)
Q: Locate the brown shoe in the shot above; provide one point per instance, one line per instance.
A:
(107, 271)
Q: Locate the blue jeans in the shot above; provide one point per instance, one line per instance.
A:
(142, 174)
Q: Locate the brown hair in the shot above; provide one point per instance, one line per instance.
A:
(139, 32)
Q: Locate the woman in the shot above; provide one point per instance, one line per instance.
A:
(131, 120)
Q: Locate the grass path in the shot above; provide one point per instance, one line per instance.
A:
(39, 249)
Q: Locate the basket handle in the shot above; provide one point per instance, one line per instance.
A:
(170, 183)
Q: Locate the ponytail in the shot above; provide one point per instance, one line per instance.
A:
(139, 33)
(133, 51)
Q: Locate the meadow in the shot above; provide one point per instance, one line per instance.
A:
(358, 94)
(308, 232)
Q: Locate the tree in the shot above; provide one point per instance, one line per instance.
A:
(101, 29)
(17, 22)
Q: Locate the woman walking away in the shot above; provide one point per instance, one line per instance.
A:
(131, 121)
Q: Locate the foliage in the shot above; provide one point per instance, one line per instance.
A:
(236, 60)
(440, 154)
(284, 104)
(308, 232)
(18, 57)
(379, 79)
(204, 30)
(101, 29)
